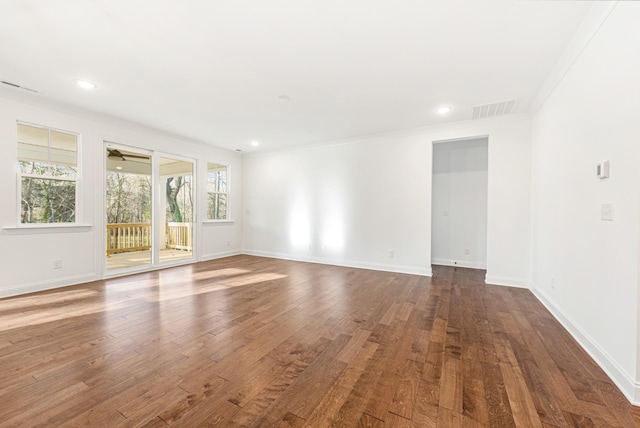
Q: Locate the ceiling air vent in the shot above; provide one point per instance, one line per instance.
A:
(16, 86)
(494, 109)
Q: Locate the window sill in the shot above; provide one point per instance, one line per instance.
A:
(215, 222)
(46, 229)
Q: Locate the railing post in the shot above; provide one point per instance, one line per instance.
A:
(123, 237)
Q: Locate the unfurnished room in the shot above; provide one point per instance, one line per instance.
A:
(319, 213)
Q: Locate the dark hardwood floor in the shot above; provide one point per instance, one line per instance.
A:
(248, 341)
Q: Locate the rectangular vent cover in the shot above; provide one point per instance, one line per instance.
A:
(16, 86)
(494, 109)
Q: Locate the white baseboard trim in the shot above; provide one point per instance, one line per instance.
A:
(32, 287)
(629, 387)
(48, 284)
(459, 263)
(219, 255)
(412, 270)
(507, 281)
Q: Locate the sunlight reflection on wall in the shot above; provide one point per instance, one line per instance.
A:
(300, 224)
(333, 217)
(333, 232)
(324, 233)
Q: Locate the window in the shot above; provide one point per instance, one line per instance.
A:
(217, 192)
(47, 168)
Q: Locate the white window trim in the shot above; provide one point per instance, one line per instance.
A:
(212, 221)
(229, 218)
(43, 228)
(40, 227)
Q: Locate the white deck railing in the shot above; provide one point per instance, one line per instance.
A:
(122, 237)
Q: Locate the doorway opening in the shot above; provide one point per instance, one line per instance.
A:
(459, 203)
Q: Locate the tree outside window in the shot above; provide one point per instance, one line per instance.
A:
(217, 192)
(47, 166)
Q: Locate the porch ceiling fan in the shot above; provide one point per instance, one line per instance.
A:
(117, 155)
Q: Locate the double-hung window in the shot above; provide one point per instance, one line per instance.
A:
(47, 168)
(217, 192)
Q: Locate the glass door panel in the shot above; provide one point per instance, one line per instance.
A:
(128, 208)
(176, 214)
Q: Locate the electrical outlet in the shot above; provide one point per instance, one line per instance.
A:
(606, 211)
(553, 283)
(467, 251)
(228, 243)
(392, 253)
(57, 264)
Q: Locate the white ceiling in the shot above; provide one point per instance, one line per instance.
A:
(211, 70)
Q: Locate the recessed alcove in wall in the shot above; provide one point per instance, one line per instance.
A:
(459, 203)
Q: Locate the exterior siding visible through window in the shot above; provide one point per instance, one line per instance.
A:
(47, 167)
(217, 192)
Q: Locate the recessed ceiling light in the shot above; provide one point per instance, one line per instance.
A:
(85, 84)
(254, 143)
(443, 110)
(283, 98)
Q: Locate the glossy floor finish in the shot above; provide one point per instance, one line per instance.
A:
(248, 341)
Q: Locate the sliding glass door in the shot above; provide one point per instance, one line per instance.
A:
(129, 204)
(149, 209)
(175, 195)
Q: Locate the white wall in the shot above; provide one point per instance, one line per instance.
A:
(585, 269)
(26, 256)
(343, 204)
(350, 203)
(459, 203)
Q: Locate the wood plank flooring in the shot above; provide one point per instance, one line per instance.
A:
(249, 341)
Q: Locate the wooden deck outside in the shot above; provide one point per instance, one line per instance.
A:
(136, 258)
(129, 244)
(122, 237)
